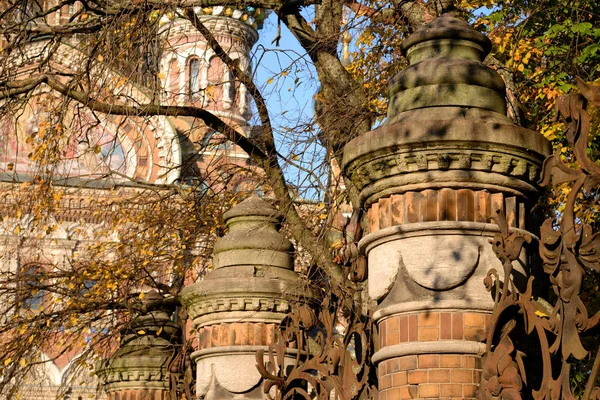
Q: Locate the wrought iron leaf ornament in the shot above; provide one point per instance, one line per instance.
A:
(551, 333)
(325, 360)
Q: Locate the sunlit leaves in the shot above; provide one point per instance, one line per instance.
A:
(545, 53)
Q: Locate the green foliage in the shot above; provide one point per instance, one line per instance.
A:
(545, 54)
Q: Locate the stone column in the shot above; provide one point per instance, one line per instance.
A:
(240, 303)
(431, 177)
(139, 369)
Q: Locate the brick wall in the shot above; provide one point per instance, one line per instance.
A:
(422, 327)
(236, 334)
(431, 375)
(444, 205)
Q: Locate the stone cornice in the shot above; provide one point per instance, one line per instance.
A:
(153, 370)
(136, 385)
(434, 347)
(432, 305)
(241, 316)
(229, 350)
(390, 158)
(431, 228)
(199, 304)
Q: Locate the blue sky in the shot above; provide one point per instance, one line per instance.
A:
(288, 82)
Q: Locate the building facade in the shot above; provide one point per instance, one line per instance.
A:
(106, 161)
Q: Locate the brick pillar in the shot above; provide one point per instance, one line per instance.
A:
(138, 370)
(242, 301)
(430, 178)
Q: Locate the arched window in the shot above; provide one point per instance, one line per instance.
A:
(174, 76)
(230, 91)
(193, 77)
(31, 283)
(215, 80)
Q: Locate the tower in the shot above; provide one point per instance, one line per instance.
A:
(195, 75)
(192, 74)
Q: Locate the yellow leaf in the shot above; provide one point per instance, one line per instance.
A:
(521, 67)
(284, 73)
(159, 331)
(100, 58)
(17, 229)
(7, 361)
(141, 332)
(269, 81)
(142, 295)
(22, 362)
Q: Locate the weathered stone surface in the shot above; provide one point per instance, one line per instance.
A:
(253, 281)
(446, 121)
(253, 238)
(416, 261)
(146, 347)
(445, 161)
(450, 153)
(443, 28)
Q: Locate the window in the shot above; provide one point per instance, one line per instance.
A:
(230, 86)
(216, 71)
(194, 76)
(31, 283)
(174, 73)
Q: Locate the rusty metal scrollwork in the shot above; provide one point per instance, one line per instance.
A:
(323, 360)
(317, 355)
(532, 344)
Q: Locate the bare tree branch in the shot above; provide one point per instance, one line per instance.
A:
(270, 162)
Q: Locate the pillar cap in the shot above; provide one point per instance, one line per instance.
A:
(253, 206)
(146, 346)
(446, 27)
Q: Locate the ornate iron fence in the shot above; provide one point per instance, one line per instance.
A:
(534, 342)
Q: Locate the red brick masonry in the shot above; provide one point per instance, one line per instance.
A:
(433, 326)
(444, 205)
(236, 334)
(431, 375)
